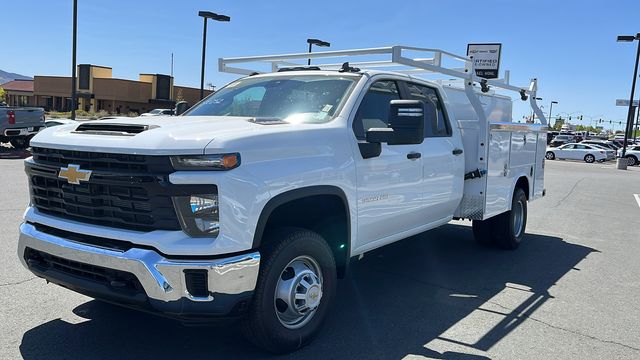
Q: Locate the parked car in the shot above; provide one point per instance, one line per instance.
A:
(551, 135)
(254, 205)
(158, 112)
(575, 151)
(19, 124)
(561, 140)
(58, 122)
(611, 154)
(606, 144)
(632, 154)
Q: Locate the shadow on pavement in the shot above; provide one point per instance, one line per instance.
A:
(393, 303)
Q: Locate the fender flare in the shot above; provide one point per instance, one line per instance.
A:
(296, 194)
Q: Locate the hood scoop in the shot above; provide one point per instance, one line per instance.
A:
(267, 121)
(112, 129)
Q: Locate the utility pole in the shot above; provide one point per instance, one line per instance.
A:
(172, 65)
(73, 60)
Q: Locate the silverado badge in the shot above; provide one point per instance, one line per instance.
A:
(73, 174)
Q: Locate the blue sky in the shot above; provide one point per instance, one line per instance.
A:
(569, 45)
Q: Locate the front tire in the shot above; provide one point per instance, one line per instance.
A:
(589, 158)
(632, 160)
(510, 226)
(296, 286)
(550, 155)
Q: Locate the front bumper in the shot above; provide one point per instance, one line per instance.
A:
(165, 285)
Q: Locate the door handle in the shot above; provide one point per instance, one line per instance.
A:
(413, 155)
(456, 152)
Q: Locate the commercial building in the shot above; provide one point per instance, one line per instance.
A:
(97, 90)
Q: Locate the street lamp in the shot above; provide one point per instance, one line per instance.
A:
(73, 60)
(207, 15)
(317, 43)
(630, 38)
(550, 109)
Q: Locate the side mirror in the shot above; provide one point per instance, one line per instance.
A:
(406, 124)
(181, 107)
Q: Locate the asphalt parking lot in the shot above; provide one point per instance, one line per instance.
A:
(570, 292)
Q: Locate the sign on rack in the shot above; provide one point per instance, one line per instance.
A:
(486, 59)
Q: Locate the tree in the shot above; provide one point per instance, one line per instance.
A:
(3, 94)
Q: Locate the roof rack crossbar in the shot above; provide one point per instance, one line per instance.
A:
(397, 63)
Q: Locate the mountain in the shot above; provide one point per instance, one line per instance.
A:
(7, 76)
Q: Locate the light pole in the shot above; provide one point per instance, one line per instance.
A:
(73, 60)
(551, 109)
(630, 38)
(316, 42)
(207, 15)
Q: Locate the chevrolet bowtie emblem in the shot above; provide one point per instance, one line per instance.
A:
(73, 174)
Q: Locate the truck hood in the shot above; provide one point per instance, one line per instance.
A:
(162, 135)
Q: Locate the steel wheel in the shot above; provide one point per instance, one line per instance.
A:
(518, 218)
(298, 292)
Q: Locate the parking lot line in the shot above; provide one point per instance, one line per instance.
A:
(637, 199)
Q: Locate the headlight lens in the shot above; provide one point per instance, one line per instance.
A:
(206, 162)
(198, 214)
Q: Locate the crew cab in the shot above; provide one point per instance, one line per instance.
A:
(252, 204)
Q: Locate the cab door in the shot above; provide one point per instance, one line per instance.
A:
(443, 159)
(389, 185)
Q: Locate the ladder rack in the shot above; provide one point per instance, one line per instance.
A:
(394, 60)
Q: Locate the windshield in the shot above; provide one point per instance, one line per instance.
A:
(155, 111)
(293, 99)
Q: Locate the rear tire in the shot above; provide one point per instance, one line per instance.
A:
(589, 158)
(482, 232)
(510, 226)
(550, 155)
(297, 271)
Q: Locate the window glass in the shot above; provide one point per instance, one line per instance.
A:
(374, 108)
(567, 147)
(434, 127)
(293, 99)
(581, 147)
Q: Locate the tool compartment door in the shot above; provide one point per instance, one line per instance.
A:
(498, 191)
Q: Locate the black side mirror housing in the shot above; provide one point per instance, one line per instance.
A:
(181, 107)
(406, 124)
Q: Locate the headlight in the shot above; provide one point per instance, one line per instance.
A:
(198, 214)
(206, 162)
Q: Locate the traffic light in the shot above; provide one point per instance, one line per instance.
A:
(580, 117)
(569, 117)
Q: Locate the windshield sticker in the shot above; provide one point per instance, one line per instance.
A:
(327, 108)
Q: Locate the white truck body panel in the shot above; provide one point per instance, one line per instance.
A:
(174, 212)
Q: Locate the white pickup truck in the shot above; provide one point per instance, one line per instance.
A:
(252, 203)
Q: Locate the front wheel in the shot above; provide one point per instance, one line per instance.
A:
(296, 285)
(632, 160)
(589, 158)
(510, 226)
(550, 155)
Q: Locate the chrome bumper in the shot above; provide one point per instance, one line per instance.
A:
(162, 279)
